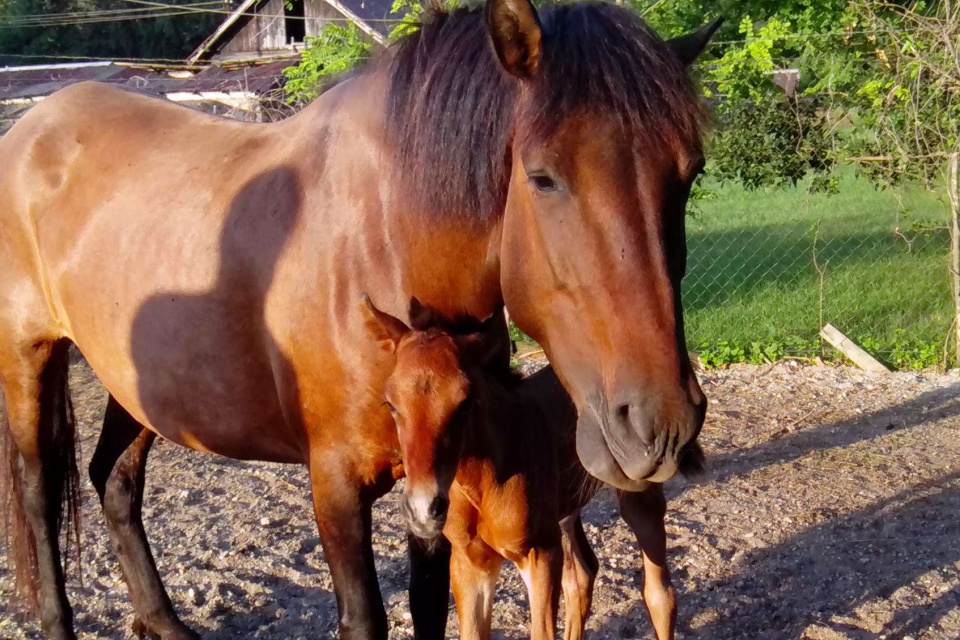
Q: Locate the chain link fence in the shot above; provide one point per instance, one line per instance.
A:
(762, 290)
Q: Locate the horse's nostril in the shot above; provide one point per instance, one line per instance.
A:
(634, 418)
(439, 506)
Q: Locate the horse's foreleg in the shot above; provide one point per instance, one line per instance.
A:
(43, 469)
(429, 586)
(644, 513)
(541, 571)
(117, 471)
(580, 567)
(343, 515)
(474, 585)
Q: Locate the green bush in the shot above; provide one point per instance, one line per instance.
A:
(334, 52)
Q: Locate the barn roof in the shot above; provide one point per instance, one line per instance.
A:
(31, 83)
(37, 81)
(368, 15)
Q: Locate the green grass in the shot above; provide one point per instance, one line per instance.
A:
(753, 292)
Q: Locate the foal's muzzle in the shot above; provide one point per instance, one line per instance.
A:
(426, 513)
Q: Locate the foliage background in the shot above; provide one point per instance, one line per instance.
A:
(826, 205)
(171, 37)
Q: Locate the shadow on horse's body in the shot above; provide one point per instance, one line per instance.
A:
(209, 271)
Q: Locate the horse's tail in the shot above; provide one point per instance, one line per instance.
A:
(61, 480)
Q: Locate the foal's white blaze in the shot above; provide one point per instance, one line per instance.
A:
(419, 500)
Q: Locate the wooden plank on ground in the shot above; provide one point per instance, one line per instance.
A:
(849, 348)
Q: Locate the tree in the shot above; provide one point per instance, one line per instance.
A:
(337, 50)
(331, 54)
(41, 30)
(911, 106)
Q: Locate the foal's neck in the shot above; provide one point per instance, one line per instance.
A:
(521, 423)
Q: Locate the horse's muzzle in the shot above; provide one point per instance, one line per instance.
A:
(632, 444)
(425, 512)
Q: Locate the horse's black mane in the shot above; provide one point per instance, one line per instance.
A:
(451, 109)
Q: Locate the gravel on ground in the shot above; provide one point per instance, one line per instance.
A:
(831, 512)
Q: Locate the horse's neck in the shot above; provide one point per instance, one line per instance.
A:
(447, 264)
(530, 428)
(544, 391)
(506, 429)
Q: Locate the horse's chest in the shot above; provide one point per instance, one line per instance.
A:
(505, 518)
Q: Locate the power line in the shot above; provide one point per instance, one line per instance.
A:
(83, 21)
(223, 12)
(153, 11)
(105, 12)
(69, 23)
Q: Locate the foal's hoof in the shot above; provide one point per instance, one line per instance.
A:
(182, 633)
(139, 629)
(175, 631)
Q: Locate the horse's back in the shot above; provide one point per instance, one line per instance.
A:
(93, 167)
(147, 234)
(44, 148)
(76, 150)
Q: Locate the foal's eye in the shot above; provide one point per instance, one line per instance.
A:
(388, 405)
(543, 183)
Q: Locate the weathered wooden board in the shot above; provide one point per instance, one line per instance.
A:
(849, 348)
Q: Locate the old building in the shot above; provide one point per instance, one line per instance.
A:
(259, 28)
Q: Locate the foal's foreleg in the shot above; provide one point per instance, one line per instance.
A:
(474, 582)
(580, 567)
(117, 471)
(429, 586)
(644, 513)
(343, 513)
(541, 571)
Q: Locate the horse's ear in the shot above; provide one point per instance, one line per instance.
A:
(384, 328)
(514, 28)
(421, 317)
(689, 47)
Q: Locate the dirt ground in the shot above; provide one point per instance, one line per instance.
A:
(832, 511)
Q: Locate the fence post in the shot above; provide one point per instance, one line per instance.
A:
(953, 188)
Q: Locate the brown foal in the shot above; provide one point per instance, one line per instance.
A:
(516, 488)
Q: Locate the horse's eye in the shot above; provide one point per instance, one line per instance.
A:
(543, 183)
(388, 405)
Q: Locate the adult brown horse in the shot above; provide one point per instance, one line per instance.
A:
(209, 270)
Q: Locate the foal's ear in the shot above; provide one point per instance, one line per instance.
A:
(514, 28)
(421, 317)
(477, 349)
(384, 328)
(689, 47)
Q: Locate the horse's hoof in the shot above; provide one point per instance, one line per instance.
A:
(139, 629)
(175, 631)
(182, 633)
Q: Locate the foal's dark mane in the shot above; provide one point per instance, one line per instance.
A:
(429, 319)
(452, 111)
